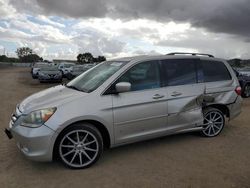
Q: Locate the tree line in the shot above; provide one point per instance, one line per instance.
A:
(27, 55)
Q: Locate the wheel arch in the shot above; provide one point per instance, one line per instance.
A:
(98, 125)
(222, 107)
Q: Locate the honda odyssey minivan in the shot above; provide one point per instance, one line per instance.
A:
(124, 101)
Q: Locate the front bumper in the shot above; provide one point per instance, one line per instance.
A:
(50, 78)
(35, 143)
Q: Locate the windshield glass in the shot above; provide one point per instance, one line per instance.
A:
(39, 65)
(78, 68)
(92, 79)
(68, 65)
(49, 68)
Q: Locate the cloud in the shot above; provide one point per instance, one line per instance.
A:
(62, 28)
(47, 20)
(98, 43)
(6, 9)
(226, 16)
(74, 8)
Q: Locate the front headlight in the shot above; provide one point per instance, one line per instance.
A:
(37, 118)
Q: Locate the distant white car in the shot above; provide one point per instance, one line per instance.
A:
(36, 68)
(50, 74)
(77, 70)
(65, 67)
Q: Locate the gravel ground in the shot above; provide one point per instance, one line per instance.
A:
(186, 160)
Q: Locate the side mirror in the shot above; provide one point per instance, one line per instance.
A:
(122, 87)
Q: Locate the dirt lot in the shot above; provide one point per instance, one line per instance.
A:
(185, 160)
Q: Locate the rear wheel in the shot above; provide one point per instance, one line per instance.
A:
(214, 122)
(80, 146)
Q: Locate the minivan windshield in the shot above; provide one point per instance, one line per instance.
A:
(93, 78)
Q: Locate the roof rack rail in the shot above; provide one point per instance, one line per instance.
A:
(194, 54)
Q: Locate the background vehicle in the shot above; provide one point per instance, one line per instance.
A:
(65, 68)
(50, 74)
(36, 68)
(77, 70)
(124, 101)
(244, 80)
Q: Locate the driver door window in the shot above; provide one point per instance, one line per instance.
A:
(143, 76)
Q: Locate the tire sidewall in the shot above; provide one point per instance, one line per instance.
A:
(80, 126)
(208, 110)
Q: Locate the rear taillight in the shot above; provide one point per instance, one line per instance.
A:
(238, 90)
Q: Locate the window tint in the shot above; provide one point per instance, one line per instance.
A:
(142, 76)
(215, 71)
(180, 72)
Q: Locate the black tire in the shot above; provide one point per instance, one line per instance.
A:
(80, 130)
(246, 91)
(212, 128)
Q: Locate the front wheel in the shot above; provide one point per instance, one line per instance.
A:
(214, 122)
(80, 146)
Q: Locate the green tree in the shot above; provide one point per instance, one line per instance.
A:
(88, 58)
(25, 54)
(31, 58)
(4, 58)
(85, 58)
(100, 59)
(23, 51)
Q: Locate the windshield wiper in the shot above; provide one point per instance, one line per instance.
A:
(73, 87)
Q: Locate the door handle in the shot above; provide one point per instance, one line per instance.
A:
(158, 96)
(176, 94)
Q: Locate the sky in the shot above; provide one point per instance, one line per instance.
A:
(61, 29)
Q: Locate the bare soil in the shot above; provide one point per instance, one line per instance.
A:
(185, 160)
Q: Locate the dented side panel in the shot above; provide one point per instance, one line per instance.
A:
(185, 110)
(222, 92)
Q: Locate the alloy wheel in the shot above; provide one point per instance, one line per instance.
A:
(78, 148)
(213, 123)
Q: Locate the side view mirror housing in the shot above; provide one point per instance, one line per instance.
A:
(122, 87)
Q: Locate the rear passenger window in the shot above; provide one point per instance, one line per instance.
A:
(180, 72)
(215, 71)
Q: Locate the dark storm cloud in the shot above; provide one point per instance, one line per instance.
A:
(226, 16)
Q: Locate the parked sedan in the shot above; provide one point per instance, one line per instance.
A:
(77, 70)
(49, 74)
(36, 68)
(65, 68)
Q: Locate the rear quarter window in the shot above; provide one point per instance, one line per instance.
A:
(214, 71)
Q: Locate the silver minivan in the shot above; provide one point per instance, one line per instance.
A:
(124, 101)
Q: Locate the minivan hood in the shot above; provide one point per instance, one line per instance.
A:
(52, 97)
